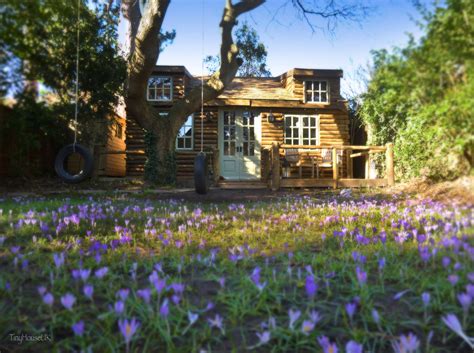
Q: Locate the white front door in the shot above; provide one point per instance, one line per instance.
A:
(239, 144)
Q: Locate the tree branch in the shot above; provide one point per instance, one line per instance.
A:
(332, 10)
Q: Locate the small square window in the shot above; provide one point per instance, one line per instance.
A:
(160, 89)
(316, 91)
(184, 140)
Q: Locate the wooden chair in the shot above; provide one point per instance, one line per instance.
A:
(326, 160)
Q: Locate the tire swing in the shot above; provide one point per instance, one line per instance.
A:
(201, 174)
(65, 152)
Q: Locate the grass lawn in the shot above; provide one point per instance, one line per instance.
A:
(321, 273)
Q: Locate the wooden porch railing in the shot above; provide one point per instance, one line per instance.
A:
(277, 153)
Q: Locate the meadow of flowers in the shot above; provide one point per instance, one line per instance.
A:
(323, 273)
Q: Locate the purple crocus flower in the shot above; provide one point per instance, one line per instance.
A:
(465, 300)
(192, 317)
(78, 328)
(119, 307)
(326, 345)
(128, 329)
(84, 274)
(41, 290)
(453, 279)
(123, 293)
(217, 322)
(375, 316)
(425, 297)
(406, 344)
(353, 347)
(311, 286)
(255, 276)
(350, 309)
(58, 259)
(361, 276)
(68, 300)
(101, 272)
(164, 309)
(307, 326)
(88, 290)
(294, 316)
(145, 294)
(470, 290)
(263, 337)
(48, 299)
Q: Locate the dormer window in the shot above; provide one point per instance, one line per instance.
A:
(160, 89)
(316, 92)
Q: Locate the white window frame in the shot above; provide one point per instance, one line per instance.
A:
(156, 88)
(309, 86)
(300, 128)
(184, 138)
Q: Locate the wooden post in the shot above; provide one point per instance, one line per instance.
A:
(389, 164)
(367, 165)
(215, 164)
(349, 164)
(275, 166)
(335, 169)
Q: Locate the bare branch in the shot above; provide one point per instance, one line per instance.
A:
(332, 11)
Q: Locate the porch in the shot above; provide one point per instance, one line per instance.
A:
(293, 166)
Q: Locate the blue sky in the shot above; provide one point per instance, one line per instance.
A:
(289, 41)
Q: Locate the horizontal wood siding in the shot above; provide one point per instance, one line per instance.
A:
(114, 165)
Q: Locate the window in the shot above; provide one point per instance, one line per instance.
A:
(184, 140)
(301, 130)
(160, 89)
(316, 91)
(118, 130)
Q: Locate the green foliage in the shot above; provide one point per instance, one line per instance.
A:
(420, 97)
(159, 170)
(252, 52)
(39, 44)
(32, 122)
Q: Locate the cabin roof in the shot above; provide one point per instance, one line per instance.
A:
(257, 88)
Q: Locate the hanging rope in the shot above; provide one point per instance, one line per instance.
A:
(202, 76)
(76, 108)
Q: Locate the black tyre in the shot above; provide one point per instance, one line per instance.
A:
(61, 159)
(201, 179)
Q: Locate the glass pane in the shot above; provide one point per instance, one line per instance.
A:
(309, 97)
(226, 118)
(188, 143)
(313, 133)
(287, 121)
(226, 133)
(232, 132)
(246, 149)
(232, 148)
(324, 97)
(296, 121)
(305, 133)
(323, 85)
(252, 119)
(244, 120)
(245, 133)
(295, 133)
(305, 121)
(313, 142)
(180, 143)
(232, 119)
(226, 148)
(252, 149)
(288, 132)
(305, 142)
(252, 133)
(288, 141)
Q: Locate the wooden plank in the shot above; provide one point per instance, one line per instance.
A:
(275, 166)
(389, 164)
(346, 183)
(335, 168)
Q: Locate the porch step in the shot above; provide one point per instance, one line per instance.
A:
(251, 184)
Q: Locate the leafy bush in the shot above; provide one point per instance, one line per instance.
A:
(420, 97)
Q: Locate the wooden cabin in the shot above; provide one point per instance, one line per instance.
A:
(301, 112)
